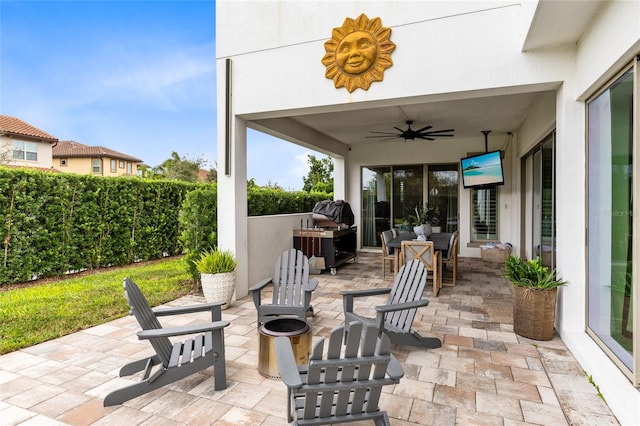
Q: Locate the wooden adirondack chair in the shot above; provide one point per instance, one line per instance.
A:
(339, 388)
(175, 361)
(292, 288)
(396, 316)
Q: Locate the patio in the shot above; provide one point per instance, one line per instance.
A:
(484, 374)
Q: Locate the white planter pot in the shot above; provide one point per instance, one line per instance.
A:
(219, 287)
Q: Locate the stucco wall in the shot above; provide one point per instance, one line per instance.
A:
(482, 52)
(445, 50)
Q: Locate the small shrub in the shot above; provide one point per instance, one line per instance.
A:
(214, 261)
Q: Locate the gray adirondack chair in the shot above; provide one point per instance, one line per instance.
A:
(395, 317)
(292, 288)
(174, 360)
(339, 388)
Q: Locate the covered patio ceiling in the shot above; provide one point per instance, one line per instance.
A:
(350, 124)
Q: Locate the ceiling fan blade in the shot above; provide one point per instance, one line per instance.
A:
(426, 137)
(423, 129)
(384, 135)
(433, 132)
(399, 129)
(436, 136)
(386, 138)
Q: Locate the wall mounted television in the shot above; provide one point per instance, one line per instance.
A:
(482, 170)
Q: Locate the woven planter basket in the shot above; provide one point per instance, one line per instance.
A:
(534, 312)
(495, 255)
(218, 287)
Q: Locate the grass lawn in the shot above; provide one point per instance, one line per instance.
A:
(41, 312)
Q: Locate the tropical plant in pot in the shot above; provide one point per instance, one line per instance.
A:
(535, 290)
(217, 275)
(425, 218)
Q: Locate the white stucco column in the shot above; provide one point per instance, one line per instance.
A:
(570, 208)
(339, 179)
(232, 200)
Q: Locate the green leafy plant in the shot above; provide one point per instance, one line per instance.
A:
(214, 261)
(531, 273)
(198, 224)
(593, 383)
(426, 214)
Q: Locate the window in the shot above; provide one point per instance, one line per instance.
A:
(113, 166)
(95, 165)
(25, 151)
(63, 162)
(121, 164)
(611, 169)
(484, 214)
(129, 169)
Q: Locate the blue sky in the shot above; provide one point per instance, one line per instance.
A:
(138, 77)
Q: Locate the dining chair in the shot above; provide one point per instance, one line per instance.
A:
(451, 257)
(428, 255)
(385, 237)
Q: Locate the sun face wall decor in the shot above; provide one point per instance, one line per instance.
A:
(358, 53)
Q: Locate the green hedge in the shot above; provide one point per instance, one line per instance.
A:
(268, 201)
(53, 223)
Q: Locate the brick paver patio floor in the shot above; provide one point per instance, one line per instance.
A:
(483, 374)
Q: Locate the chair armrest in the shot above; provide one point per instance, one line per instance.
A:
(394, 369)
(262, 284)
(402, 306)
(287, 367)
(177, 310)
(367, 292)
(348, 296)
(311, 285)
(180, 331)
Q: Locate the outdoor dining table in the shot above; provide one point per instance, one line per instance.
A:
(440, 242)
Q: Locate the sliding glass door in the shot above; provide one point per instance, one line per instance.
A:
(376, 204)
(542, 202)
(443, 194)
(390, 195)
(610, 218)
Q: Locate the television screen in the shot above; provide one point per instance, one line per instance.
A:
(482, 170)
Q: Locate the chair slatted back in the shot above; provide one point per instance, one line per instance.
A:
(421, 250)
(407, 287)
(452, 251)
(348, 383)
(385, 237)
(140, 309)
(292, 271)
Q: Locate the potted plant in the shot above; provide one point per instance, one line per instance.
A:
(535, 289)
(217, 275)
(426, 218)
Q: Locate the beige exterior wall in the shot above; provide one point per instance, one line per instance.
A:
(44, 153)
(84, 166)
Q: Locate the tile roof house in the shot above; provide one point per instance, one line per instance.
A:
(74, 157)
(24, 145)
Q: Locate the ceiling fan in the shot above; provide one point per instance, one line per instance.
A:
(412, 134)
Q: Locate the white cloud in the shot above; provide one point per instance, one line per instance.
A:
(173, 78)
